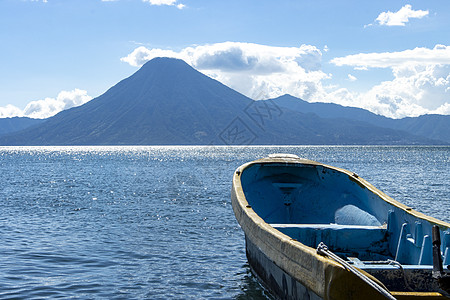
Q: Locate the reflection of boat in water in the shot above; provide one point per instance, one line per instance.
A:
(318, 232)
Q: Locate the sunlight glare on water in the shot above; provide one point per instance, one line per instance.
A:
(156, 222)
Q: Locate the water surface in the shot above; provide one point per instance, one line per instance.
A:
(157, 222)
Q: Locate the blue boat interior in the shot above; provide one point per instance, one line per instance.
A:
(313, 203)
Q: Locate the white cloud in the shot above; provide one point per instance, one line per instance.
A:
(401, 17)
(444, 109)
(47, 107)
(260, 71)
(166, 2)
(351, 77)
(420, 84)
(440, 54)
(415, 90)
(161, 2)
(141, 55)
(10, 111)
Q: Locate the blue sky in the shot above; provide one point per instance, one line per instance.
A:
(391, 57)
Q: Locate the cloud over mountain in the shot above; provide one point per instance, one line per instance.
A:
(420, 83)
(41, 109)
(258, 71)
(10, 111)
(415, 88)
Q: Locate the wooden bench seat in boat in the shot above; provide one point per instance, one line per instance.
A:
(409, 249)
(339, 238)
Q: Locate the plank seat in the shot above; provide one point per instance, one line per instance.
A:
(340, 238)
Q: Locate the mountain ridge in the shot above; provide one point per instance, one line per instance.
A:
(167, 102)
(432, 125)
(13, 124)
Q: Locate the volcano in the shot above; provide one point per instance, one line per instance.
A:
(167, 102)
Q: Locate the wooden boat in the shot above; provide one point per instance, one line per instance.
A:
(314, 231)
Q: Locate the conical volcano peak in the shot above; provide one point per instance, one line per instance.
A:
(166, 64)
(163, 62)
(165, 102)
(166, 70)
(166, 60)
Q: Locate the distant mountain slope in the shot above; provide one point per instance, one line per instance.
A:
(167, 102)
(9, 125)
(435, 127)
(309, 129)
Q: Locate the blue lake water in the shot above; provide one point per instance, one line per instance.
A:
(156, 222)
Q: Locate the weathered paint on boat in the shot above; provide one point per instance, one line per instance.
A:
(287, 205)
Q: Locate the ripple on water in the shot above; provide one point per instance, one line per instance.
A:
(156, 222)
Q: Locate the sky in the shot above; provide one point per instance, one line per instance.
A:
(390, 57)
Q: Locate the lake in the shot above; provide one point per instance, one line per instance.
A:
(156, 222)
